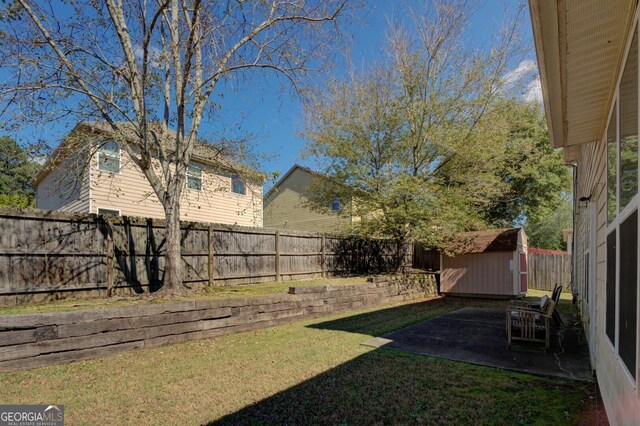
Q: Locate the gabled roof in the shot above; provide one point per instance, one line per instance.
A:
(505, 239)
(202, 152)
(579, 45)
(290, 172)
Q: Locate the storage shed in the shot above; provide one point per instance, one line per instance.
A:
(491, 263)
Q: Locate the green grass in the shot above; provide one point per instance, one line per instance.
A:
(211, 293)
(308, 372)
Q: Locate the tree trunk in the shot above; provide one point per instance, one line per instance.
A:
(400, 255)
(172, 282)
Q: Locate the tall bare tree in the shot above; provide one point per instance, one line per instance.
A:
(150, 69)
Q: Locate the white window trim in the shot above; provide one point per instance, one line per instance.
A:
(119, 159)
(231, 191)
(633, 204)
(109, 208)
(201, 177)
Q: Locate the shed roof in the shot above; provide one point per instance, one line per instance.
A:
(547, 251)
(504, 239)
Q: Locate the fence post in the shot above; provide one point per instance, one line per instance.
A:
(277, 236)
(110, 258)
(211, 257)
(323, 265)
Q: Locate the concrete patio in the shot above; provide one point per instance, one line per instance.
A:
(478, 336)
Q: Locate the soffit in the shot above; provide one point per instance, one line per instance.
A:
(579, 44)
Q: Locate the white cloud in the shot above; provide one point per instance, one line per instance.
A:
(155, 55)
(38, 159)
(524, 79)
(523, 69)
(534, 92)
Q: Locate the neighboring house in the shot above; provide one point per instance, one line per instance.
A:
(588, 57)
(286, 204)
(90, 173)
(491, 263)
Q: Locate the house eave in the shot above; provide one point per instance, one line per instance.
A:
(579, 46)
(548, 56)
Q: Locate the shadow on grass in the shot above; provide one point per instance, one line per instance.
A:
(387, 386)
(383, 321)
(383, 386)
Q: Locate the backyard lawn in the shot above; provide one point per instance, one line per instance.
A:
(308, 372)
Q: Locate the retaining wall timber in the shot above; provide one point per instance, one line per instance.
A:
(36, 340)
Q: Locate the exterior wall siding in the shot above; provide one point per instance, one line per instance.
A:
(586, 185)
(285, 209)
(66, 188)
(79, 186)
(479, 273)
(129, 192)
(620, 395)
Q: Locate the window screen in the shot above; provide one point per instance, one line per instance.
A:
(611, 288)
(629, 127)
(612, 167)
(628, 292)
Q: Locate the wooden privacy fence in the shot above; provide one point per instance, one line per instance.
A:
(548, 267)
(45, 252)
(426, 258)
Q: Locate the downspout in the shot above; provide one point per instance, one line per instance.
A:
(574, 292)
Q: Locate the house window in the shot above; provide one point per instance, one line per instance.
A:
(628, 287)
(109, 157)
(237, 185)
(628, 156)
(108, 212)
(335, 204)
(611, 288)
(612, 166)
(194, 177)
(621, 289)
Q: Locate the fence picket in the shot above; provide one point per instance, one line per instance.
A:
(548, 268)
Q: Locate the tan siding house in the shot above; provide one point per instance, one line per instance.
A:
(285, 204)
(64, 188)
(121, 188)
(588, 57)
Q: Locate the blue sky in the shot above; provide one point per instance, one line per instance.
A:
(274, 117)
